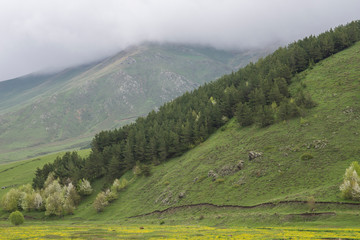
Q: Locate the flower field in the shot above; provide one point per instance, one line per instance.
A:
(94, 231)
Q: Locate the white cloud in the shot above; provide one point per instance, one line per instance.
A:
(40, 34)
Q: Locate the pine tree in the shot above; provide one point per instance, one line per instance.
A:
(244, 115)
(265, 116)
(274, 94)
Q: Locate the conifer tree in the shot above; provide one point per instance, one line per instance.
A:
(244, 114)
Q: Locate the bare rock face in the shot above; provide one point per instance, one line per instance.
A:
(253, 155)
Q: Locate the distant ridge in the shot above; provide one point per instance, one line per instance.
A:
(43, 113)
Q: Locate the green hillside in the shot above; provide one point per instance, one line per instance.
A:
(42, 114)
(329, 132)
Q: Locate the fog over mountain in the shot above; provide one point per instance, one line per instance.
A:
(41, 34)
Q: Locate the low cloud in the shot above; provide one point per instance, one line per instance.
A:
(42, 34)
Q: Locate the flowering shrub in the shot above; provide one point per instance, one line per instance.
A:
(84, 187)
(350, 188)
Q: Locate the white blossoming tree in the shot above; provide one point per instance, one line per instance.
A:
(84, 187)
(350, 188)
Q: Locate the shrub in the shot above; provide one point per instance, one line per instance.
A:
(28, 201)
(142, 169)
(110, 195)
(137, 170)
(16, 218)
(304, 100)
(72, 194)
(55, 204)
(306, 156)
(50, 178)
(52, 188)
(100, 202)
(220, 180)
(69, 206)
(350, 188)
(311, 203)
(72, 198)
(116, 186)
(119, 185)
(12, 200)
(146, 170)
(84, 187)
(38, 202)
(123, 183)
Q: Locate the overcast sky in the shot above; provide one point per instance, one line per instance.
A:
(47, 34)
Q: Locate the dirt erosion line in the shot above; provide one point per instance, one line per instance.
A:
(238, 206)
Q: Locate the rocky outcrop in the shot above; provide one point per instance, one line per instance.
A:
(253, 155)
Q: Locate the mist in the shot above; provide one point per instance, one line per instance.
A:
(37, 35)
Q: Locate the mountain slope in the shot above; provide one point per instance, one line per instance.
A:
(52, 112)
(328, 132)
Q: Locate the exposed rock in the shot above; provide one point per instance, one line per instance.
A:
(4, 187)
(182, 194)
(212, 174)
(253, 155)
(227, 170)
(317, 144)
(348, 110)
(166, 198)
(240, 165)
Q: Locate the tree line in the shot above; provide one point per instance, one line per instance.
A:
(256, 94)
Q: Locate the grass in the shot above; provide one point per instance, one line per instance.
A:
(112, 231)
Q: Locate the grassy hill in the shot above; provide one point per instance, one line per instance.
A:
(328, 132)
(64, 110)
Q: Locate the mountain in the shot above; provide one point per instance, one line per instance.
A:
(41, 113)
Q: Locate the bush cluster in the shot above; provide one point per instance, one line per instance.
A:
(53, 198)
(104, 198)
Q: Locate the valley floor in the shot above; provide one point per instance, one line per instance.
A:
(114, 231)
